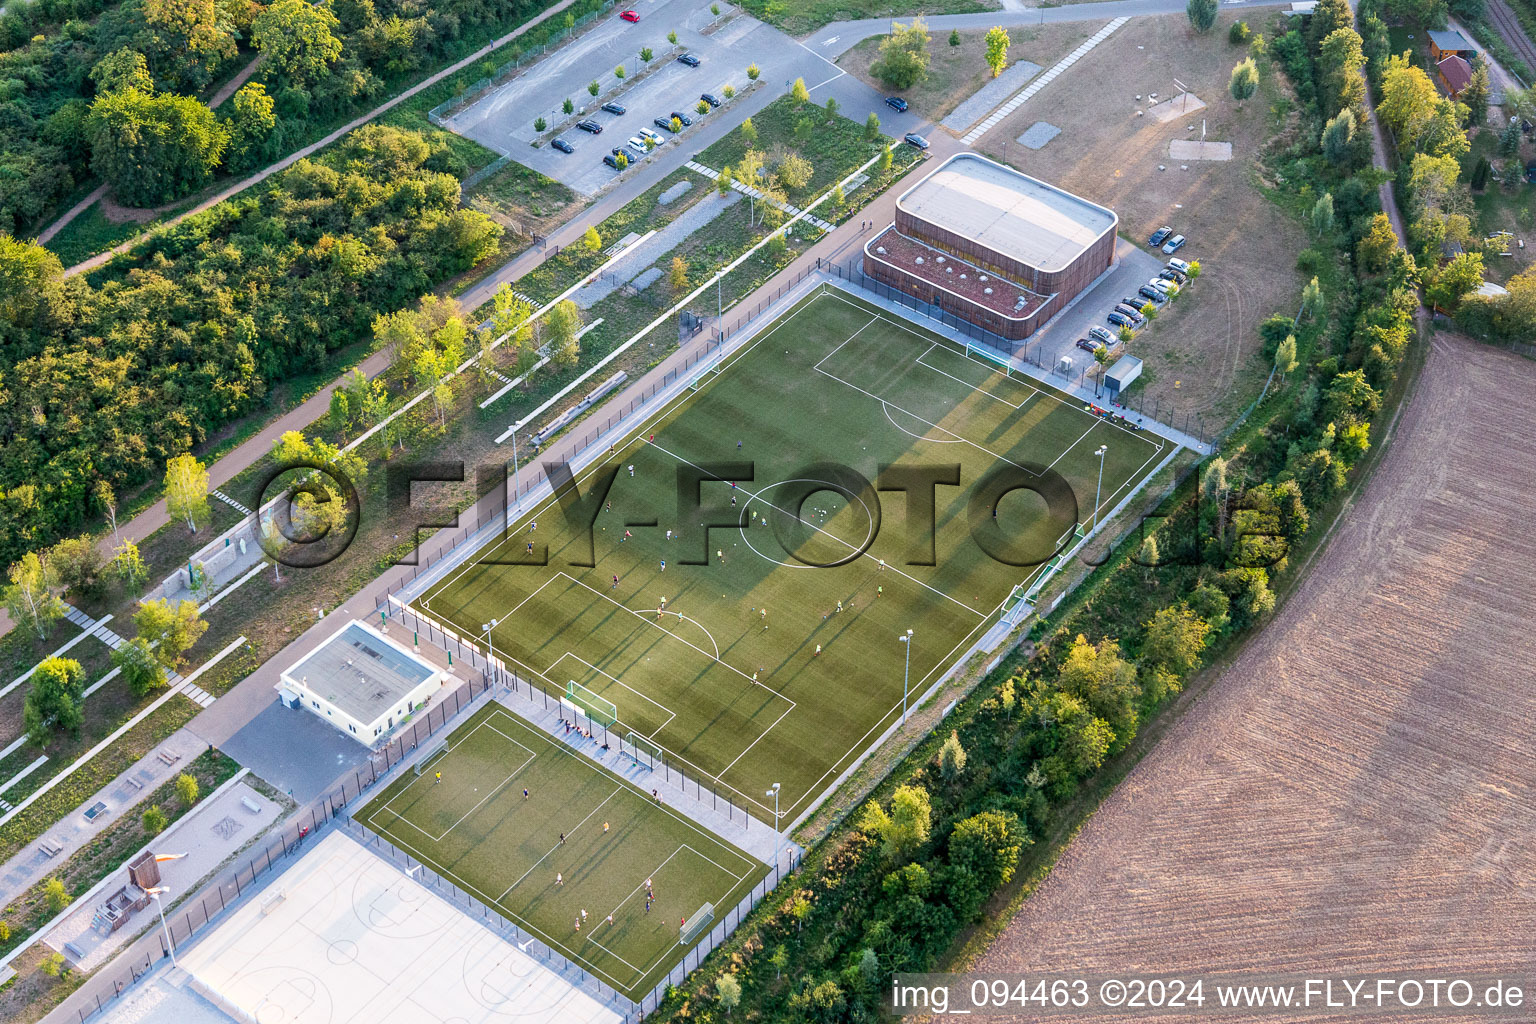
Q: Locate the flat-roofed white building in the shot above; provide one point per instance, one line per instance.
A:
(362, 682)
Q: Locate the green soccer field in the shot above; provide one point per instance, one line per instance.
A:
(769, 664)
(475, 828)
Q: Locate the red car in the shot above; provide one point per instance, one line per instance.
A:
(630, 16)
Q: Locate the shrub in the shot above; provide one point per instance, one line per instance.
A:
(154, 821)
(539, 124)
(1239, 33)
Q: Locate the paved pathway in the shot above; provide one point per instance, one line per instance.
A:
(713, 175)
(975, 134)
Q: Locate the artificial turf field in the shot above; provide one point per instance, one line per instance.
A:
(728, 679)
(475, 828)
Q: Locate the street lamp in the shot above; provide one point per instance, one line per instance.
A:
(774, 792)
(1100, 453)
(906, 674)
(155, 893)
(490, 644)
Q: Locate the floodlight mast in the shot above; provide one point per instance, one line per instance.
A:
(906, 673)
(777, 837)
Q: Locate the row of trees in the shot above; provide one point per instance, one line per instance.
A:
(108, 382)
(904, 58)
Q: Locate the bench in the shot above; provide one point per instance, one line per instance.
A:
(49, 847)
(135, 783)
(270, 901)
(250, 805)
(169, 758)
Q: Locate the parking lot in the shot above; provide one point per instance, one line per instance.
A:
(503, 119)
(1134, 266)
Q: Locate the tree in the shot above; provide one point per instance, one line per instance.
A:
(1239, 33)
(1408, 102)
(1311, 297)
(952, 758)
(1174, 640)
(128, 567)
(539, 124)
(591, 239)
(1285, 356)
(1245, 79)
(905, 827)
(169, 629)
(255, 135)
(799, 93)
(729, 991)
(567, 106)
(1476, 94)
(136, 660)
(77, 565)
(55, 701)
(619, 72)
(123, 69)
(1148, 555)
(988, 846)
(106, 501)
(153, 149)
(186, 789)
(593, 88)
(1338, 135)
(728, 91)
(779, 960)
(724, 179)
(872, 127)
(677, 274)
(752, 72)
(1098, 675)
(1376, 248)
(748, 133)
(1327, 18)
(997, 49)
(1322, 214)
(31, 597)
(186, 491)
(1202, 15)
(298, 39)
(795, 171)
(838, 199)
(1481, 172)
(646, 54)
(832, 107)
(563, 325)
(954, 37)
(1456, 280)
(883, 167)
(702, 108)
(186, 40)
(1338, 71)
(154, 820)
(903, 59)
(1509, 138)
(55, 895)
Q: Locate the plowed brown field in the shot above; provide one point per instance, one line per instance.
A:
(1355, 794)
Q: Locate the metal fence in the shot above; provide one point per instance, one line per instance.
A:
(509, 69)
(109, 983)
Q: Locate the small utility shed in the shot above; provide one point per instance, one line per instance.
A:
(362, 682)
(1119, 377)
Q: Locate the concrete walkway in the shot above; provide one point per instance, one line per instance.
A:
(33, 863)
(746, 190)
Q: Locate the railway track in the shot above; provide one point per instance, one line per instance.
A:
(1507, 25)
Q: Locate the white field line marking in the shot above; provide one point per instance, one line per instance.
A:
(921, 437)
(593, 668)
(617, 790)
(921, 361)
(494, 789)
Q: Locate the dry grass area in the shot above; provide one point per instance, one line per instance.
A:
(1354, 793)
(955, 72)
(1247, 247)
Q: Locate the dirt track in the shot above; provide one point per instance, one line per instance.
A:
(1356, 792)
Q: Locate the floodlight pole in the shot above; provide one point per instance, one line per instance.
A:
(170, 942)
(516, 498)
(1099, 489)
(490, 643)
(906, 674)
(777, 838)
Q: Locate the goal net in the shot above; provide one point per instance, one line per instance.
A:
(599, 709)
(694, 926)
(432, 751)
(642, 751)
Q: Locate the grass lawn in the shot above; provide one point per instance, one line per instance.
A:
(474, 826)
(759, 671)
(798, 17)
(834, 144)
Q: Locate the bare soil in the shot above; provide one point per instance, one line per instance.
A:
(956, 72)
(1208, 340)
(1355, 792)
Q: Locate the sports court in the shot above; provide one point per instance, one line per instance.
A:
(756, 639)
(581, 839)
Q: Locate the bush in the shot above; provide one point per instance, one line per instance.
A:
(1239, 33)
(55, 895)
(154, 821)
(539, 124)
(186, 789)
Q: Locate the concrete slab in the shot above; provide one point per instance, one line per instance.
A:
(1038, 134)
(1194, 149)
(294, 751)
(158, 1001)
(1182, 105)
(344, 937)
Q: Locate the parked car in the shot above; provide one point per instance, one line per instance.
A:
(1134, 303)
(682, 117)
(563, 146)
(897, 104)
(650, 136)
(666, 123)
(1159, 236)
(1179, 265)
(710, 98)
(630, 16)
(1132, 313)
(690, 60)
(1151, 294)
(1102, 335)
(611, 160)
(1173, 245)
(637, 145)
(914, 139)
(1166, 286)
(1086, 345)
(1118, 319)
(590, 125)
(615, 108)
(1169, 274)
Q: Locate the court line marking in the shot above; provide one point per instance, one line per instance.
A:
(494, 789)
(559, 843)
(645, 697)
(1034, 391)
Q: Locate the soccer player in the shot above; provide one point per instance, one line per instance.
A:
(615, 583)
(525, 792)
(631, 469)
(818, 651)
(663, 565)
(439, 778)
(559, 878)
